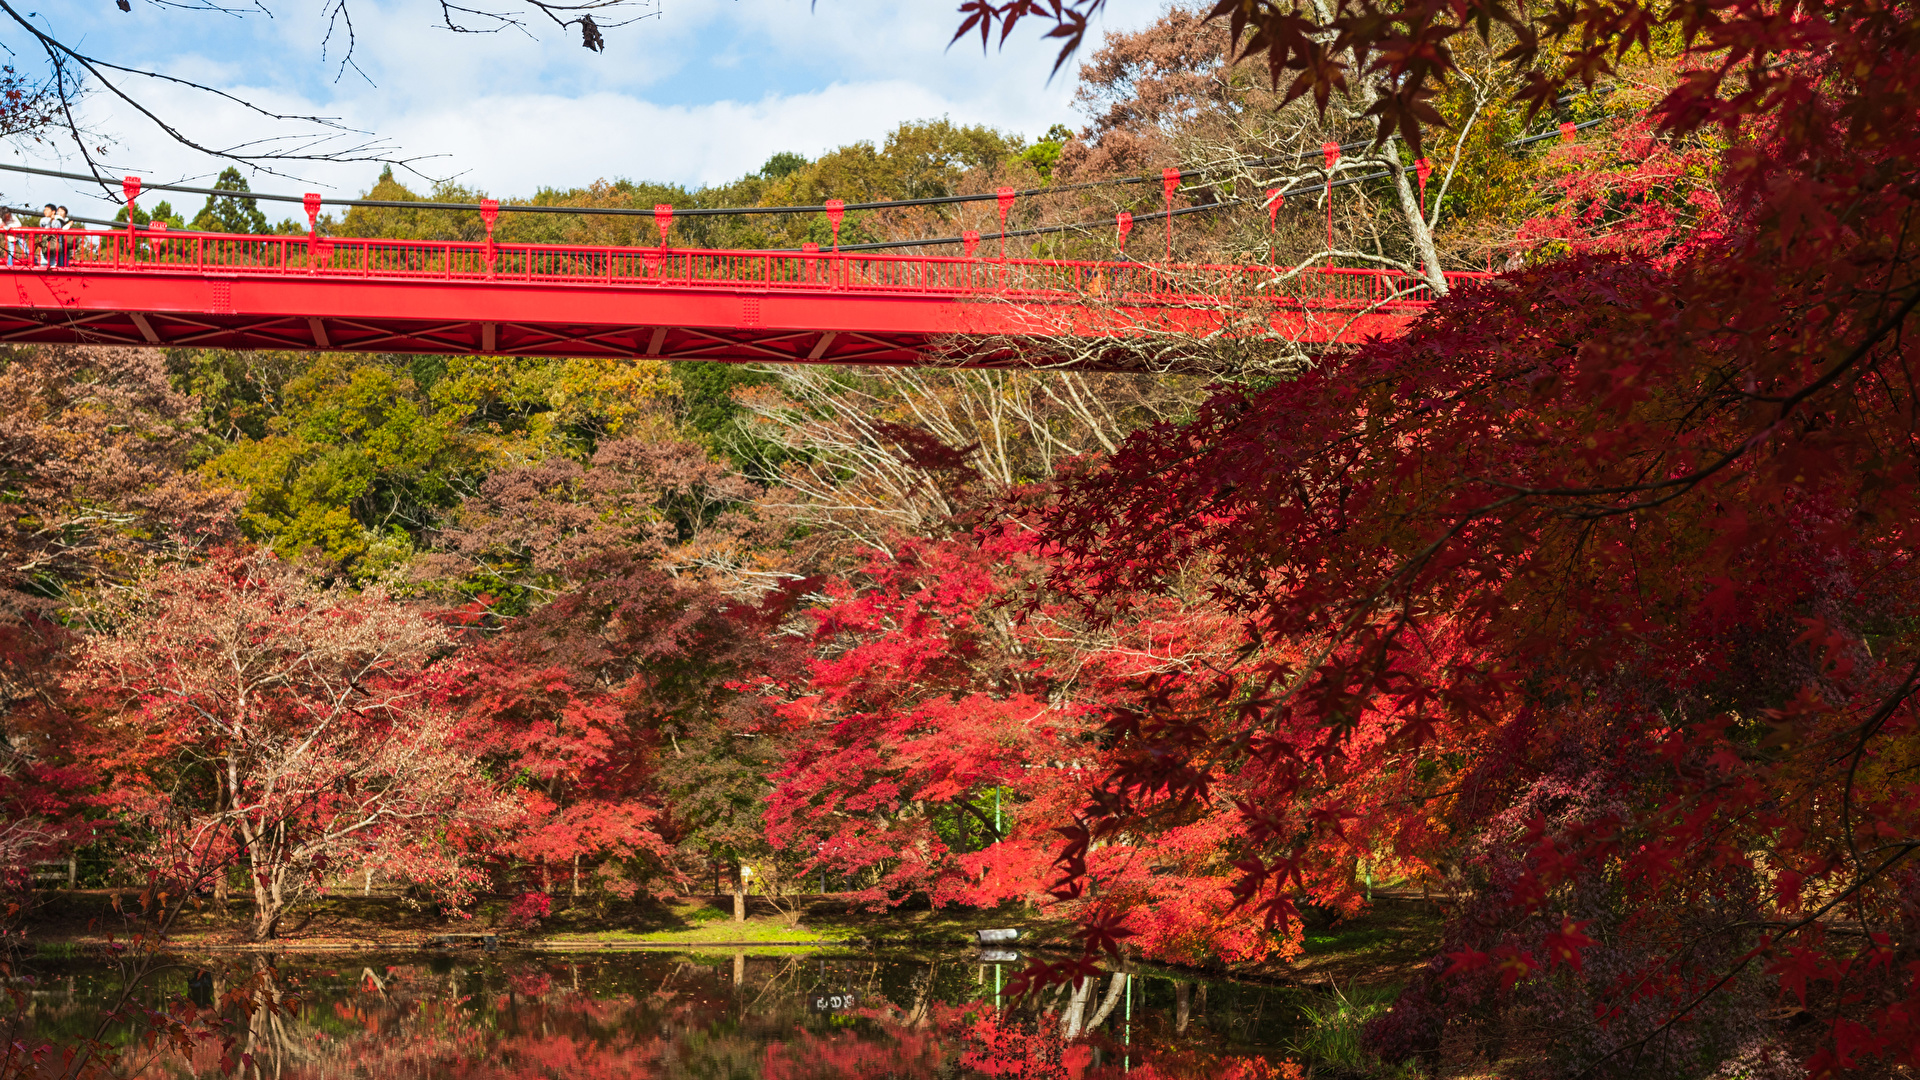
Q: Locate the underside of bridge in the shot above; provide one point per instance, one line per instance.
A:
(290, 293)
(733, 326)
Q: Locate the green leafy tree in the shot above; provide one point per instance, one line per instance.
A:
(1044, 154)
(401, 223)
(162, 211)
(357, 458)
(231, 213)
(785, 163)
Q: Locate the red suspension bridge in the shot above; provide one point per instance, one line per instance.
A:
(306, 292)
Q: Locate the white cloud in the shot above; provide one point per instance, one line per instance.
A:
(702, 95)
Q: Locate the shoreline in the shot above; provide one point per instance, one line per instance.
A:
(1386, 943)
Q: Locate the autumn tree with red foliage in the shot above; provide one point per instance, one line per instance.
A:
(938, 735)
(246, 715)
(920, 732)
(93, 460)
(617, 702)
(1606, 565)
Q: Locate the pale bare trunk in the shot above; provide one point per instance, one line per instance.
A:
(1075, 1010)
(259, 871)
(739, 894)
(1115, 988)
(1410, 211)
(1182, 1006)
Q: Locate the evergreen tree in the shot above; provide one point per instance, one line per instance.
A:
(230, 213)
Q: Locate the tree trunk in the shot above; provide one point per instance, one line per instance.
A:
(222, 890)
(265, 911)
(739, 895)
(1075, 1010)
(1182, 1007)
(1114, 989)
(266, 914)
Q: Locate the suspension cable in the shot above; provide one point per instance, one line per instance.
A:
(700, 211)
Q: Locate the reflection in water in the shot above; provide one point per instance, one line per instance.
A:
(794, 1017)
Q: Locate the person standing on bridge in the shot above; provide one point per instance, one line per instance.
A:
(65, 243)
(16, 244)
(45, 244)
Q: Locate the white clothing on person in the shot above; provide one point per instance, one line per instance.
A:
(16, 245)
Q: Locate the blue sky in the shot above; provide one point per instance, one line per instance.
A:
(700, 92)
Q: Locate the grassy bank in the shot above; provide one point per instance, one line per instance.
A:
(89, 917)
(1386, 945)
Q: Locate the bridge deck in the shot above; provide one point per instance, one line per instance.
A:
(345, 294)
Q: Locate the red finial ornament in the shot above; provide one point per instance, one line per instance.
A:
(130, 187)
(311, 202)
(663, 217)
(1421, 170)
(1169, 183)
(970, 239)
(1005, 196)
(1332, 152)
(1275, 197)
(489, 214)
(1124, 220)
(836, 211)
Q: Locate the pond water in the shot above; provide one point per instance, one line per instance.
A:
(715, 1016)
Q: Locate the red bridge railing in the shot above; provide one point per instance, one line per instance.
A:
(350, 257)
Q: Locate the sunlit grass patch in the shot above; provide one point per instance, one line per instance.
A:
(1331, 1027)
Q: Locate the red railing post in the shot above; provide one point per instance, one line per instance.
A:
(1332, 152)
(1169, 183)
(130, 186)
(489, 213)
(836, 210)
(311, 203)
(1004, 197)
